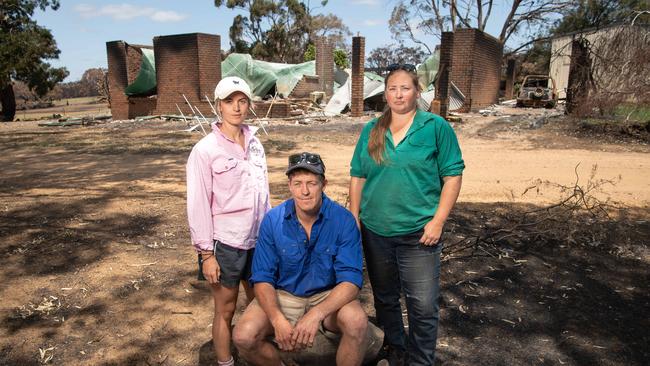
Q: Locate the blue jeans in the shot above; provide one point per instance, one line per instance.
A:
(401, 263)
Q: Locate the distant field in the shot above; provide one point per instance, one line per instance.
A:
(73, 107)
(76, 101)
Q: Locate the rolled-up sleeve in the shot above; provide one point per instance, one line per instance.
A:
(265, 258)
(348, 264)
(356, 166)
(355, 163)
(199, 199)
(449, 158)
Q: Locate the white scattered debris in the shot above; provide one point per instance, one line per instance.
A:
(46, 354)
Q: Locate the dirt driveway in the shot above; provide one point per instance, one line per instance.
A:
(98, 269)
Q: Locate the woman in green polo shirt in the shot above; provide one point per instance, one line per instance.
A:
(406, 175)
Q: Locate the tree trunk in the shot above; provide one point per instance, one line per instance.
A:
(580, 79)
(8, 101)
(452, 11)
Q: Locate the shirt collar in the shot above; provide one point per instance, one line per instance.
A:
(419, 120)
(249, 131)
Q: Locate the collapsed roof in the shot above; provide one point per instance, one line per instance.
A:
(263, 76)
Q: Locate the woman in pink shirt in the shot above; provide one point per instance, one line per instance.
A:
(227, 196)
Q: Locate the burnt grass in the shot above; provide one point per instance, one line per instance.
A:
(536, 299)
(569, 290)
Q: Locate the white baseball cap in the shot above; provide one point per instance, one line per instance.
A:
(230, 85)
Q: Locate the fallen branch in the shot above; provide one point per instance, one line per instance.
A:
(557, 222)
(143, 264)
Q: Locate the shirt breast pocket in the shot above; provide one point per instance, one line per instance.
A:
(290, 257)
(226, 173)
(324, 263)
(420, 149)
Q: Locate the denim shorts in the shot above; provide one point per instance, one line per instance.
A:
(235, 264)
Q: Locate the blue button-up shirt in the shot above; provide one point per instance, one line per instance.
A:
(286, 259)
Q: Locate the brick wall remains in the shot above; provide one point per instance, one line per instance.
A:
(305, 86)
(124, 62)
(325, 65)
(141, 106)
(358, 57)
(133, 60)
(117, 78)
(486, 80)
(209, 59)
(278, 110)
(477, 67)
(445, 68)
(190, 65)
(461, 73)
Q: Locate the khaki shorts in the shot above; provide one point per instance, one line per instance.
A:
(294, 307)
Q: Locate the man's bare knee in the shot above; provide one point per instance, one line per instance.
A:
(246, 336)
(353, 321)
(251, 329)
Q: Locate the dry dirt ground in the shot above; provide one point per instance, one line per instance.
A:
(98, 268)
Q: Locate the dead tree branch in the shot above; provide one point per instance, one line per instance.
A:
(557, 222)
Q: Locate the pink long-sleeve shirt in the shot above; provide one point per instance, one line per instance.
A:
(227, 190)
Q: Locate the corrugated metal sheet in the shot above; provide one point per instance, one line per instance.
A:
(456, 98)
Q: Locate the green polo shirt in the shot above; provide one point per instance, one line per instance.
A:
(402, 194)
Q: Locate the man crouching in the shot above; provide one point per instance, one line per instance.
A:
(307, 272)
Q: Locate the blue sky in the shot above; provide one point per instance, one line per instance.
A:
(82, 28)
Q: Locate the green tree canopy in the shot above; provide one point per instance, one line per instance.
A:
(280, 30)
(587, 14)
(340, 56)
(419, 20)
(381, 57)
(24, 47)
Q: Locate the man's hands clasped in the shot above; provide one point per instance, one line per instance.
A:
(298, 337)
(283, 333)
(306, 328)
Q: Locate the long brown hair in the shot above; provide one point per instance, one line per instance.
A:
(377, 140)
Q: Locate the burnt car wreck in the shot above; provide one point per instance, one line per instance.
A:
(537, 91)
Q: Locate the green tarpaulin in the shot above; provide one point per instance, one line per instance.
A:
(145, 82)
(428, 70)
(262, 75)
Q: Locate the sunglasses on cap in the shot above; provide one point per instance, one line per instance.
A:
(309, 158)
(405, 67)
